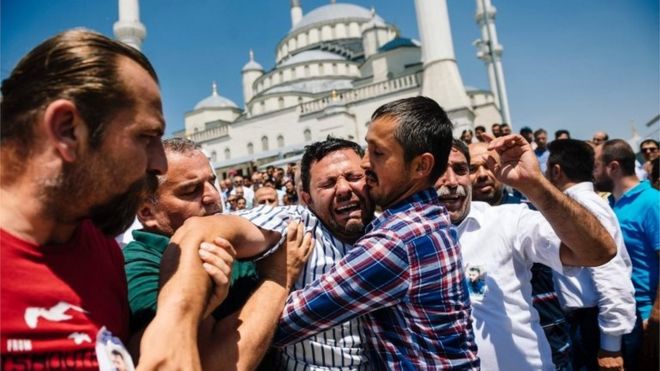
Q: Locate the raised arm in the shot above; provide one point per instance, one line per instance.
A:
(584, 240)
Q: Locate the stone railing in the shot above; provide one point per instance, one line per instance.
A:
(217, 132)
(364, 92)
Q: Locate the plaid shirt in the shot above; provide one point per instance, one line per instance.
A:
(406, 276)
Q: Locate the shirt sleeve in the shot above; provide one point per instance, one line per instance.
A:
(142, 267)
(373, 275)
(540, 243)
(276, 219)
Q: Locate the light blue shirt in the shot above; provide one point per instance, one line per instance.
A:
(638, 211)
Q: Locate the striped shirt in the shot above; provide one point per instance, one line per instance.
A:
(406, 276)
(339, 347)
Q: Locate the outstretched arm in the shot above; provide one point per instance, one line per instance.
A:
(185, 287)
(240, 340)
(584, 240)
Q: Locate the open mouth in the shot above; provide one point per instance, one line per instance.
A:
(347, 209)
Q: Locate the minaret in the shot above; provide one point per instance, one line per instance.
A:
(441, 79)
(251, 72)
(128, 29)
(374, 35)
(296, 12)
(490, 51)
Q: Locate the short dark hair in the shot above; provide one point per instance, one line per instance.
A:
(575, 157)
(525, 130)
(620, 151)
(462, 148)
(655, 169)
(78, 65)
(479, 128)
(318, 150)
(494, 125)
(422, 127)
(560, 132)
(648, 141)
(539, 132)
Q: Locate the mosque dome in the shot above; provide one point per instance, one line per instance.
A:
(252, 64)
(335, 12)
(312, 55)
(215, 100)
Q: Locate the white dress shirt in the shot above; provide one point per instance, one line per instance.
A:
(499, 245)
(608, 286)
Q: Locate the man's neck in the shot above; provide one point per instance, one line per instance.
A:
(414, 188)
(23, 215)
(624, 185)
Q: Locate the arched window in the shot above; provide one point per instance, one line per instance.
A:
(250, 148)
(307, 73)
(227, 153)
(280, 102)
(214, 156)
(280, 141)
(308, 135)
(264, 143)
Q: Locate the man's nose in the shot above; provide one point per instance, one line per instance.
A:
(156, 161)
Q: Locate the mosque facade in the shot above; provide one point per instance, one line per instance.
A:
(335, 66)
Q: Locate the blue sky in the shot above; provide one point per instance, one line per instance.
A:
(582, 65)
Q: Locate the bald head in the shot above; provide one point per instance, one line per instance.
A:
(266, 196)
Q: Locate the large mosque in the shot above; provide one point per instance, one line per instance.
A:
(334, 67)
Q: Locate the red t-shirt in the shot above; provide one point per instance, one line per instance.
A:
(54, 299)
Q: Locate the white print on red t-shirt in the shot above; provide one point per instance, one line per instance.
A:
(55, 313)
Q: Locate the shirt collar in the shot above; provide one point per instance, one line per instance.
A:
(634, 191)
(579, 187)
(153, 240)
(428, 195)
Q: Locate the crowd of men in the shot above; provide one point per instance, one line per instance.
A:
(495, 251)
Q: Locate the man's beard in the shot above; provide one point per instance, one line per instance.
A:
(604, 185)
(67, 197)
(116, 215)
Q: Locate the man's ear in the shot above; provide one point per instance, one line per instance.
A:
(64, 128)
(613, 168)
(306, 198)
(423, 165)
(555, 171)
(146, 214)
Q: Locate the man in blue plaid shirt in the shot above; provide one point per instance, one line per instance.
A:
(405, 275)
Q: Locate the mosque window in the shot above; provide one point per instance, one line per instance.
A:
(214, 156)
(300, 100)
(307, 70)
(335, 69)
(227, 153)
(280, 102)
(293, 73)
(280, 141)
(250, 148)
(308, 135)
(264, 143)
(321, 69)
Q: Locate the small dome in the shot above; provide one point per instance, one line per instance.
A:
(398, 42)
(312, 55)
(335, 11)
(215, 101)
(252, 65)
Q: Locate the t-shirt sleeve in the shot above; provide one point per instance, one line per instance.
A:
(142, 274)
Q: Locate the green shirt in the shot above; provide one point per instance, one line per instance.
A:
(142, 259)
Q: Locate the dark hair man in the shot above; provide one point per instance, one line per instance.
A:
(541, 151)
(562, 134)
(528, 134)
(76, 110)
(502, 242)
(505, 129)
(599, 302)
(478, 131)
(495, 129)
(636, 206)
(408, 254)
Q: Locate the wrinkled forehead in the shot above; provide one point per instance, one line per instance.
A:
(340, 161)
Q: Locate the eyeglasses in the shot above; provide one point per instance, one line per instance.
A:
(649, 149)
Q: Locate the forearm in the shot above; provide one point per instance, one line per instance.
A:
(239, 341)
(585, 242)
